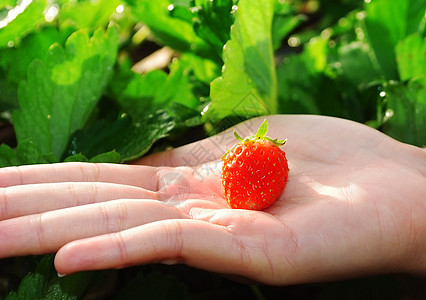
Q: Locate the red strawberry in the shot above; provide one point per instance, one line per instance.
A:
(254, 171)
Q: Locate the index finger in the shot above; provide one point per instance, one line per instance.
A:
(139, 176)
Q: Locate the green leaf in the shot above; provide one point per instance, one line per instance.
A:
(327, 81)
(177, 89)
(142, 135)
(296, 86)
(248, 83)
(26, 153)
(34, 46)
(5, 4)
(181, 11)
(205, 70)
(87, 14)
(410, 55)
(44, 283)
(34, 285)
(8, 157)
(315, 53)
(387, 23)
(356, 64)
(21, 20)
(103, 136)
(139, 95)
(135, 93)
(156, 15)
(107, 157)
(130, 139)
(406, 112)
(285, 20)
(76, 158)
(59, 95)
(212, 21)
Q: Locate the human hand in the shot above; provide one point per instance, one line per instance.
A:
(354, 205)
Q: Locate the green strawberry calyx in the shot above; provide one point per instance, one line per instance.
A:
(260, 135)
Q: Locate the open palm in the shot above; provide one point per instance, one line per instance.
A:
(352, 206)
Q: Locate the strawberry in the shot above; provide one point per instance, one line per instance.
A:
(254, 171)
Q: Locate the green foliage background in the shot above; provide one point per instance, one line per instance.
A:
(69, 91)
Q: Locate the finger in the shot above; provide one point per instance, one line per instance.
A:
(141, 176)
(47, 232)
(196, 243)
(29, 199)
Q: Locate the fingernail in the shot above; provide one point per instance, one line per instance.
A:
(60, 275)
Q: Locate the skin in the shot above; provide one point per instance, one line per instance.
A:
(354, 205)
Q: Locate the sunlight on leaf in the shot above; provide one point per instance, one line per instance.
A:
(51, 111)
(21, 20)
(248, 83)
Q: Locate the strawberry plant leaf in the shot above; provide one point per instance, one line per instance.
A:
(8, 157)
(135, 93)
(76, 158)
(27, 15)
(44, 283)
(212, 21)
(87, 14)
(285, 20)
(121, 140)
(357, 65)
(34, 46)
(107, 157)
(296, 88)
(410, 55)
(405, 104)
(156, 15)
(60, 94)
(248, 83)
(71, 287)
(386, 23)
(143, 134)
(406, 111)
(204, 70)
(100, 137)
(26, 153)
(139, 95)
(34, 285)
